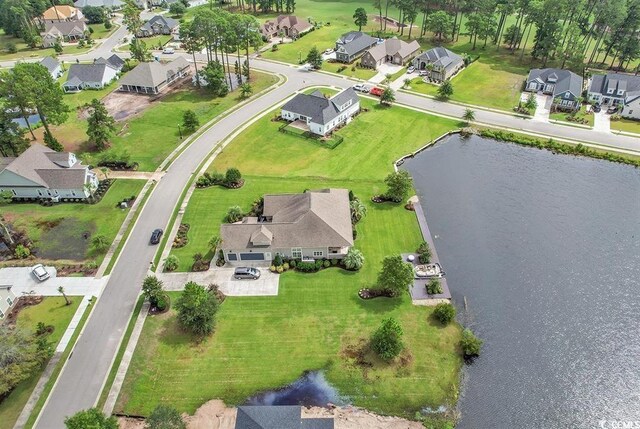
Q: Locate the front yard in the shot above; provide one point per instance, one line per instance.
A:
(582, 114)
(317, 319)
(57, 231)
(626, 125)
(51, 311)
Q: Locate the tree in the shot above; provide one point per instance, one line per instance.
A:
(12, 140)
(434, 287)
(445, 90)
(20, 357)
(177, 9)
(100, 242)
(512, 36)
(152, 290)
(406, 82)
(94, 14)
(64, 295)
(57, 47)
(234, 214)
(387, 97)
(358, 210)
(398, 185)
(190, 121)
(100, 125)
(386, 341)
(314, 58)
(171, 263)
(197, 309)
(92, 418)
(214, 242)
(214, 76)
(354, 259)
(396, 275)
(424, 253)
(131, 16)
(439, 23)
(232, 176)
(246, 90)
(5, 198)
(164, 416)
(192, 42)
(444, 312)
(139, 50)
(469, 115)
(470, 344)
(360, 17)
(532, 102)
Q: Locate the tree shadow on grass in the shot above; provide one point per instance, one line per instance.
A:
(171, 334)
(379, 305)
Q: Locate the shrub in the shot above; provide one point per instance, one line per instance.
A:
(162, 302)
(171, 263)
(197, 309)
(190, 121)
(470, 344)
(434, 287)
(444, 312)
(152, 290)
(285, 266)
(277, 261)
(279, 269)
(272, 268)
(232, 176)
(424, 253)
(165, 417)
(327, 263)
(292, 263)
(398, 185)
(234, 214)
(318, 264)
(91, 265)
(22, 251)
(334, 262)
(11, 47)
(386, 340)
(396, 275)
(306, 267)
(354, 259)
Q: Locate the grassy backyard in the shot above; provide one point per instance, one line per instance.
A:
(255, 347)
(51, 311)
(57, 231)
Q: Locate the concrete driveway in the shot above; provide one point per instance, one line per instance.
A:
(23, 282)
(266, 285)
(602, 121)
(383, 71)
(544, 107)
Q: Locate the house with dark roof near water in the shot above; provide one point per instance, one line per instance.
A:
(53, 66)
(89, 76)
(152, 78)
(320, 115)
(616, 89)
(394, 51)
(159, 24)
(278, 417)
(563, 85)
(353, 44)
(440, 63)
(43, 173)
(311, 225)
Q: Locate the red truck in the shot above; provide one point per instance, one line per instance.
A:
(376, 91)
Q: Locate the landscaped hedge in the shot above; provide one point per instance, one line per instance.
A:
(556, 147)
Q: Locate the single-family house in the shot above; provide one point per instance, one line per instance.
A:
(278, 417)
(7, 299)
(42, 173)
(159, 24)
(62, 13)
(53, 66)
(68, 31)
(392, 51)
(439, 62)
(563, 85)
(617, 89)
(152, 78)
(89, 76)
(320, 114)
(311, 225)
(114, 61)
(107, 4)
(288, 25)
(353, 44)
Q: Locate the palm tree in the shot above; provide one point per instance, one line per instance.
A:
(246, 90)
(406, 83)
(354, 259)
(469, 115)
(214, 242)
(387, 78)
(66, 300)
(358, 210)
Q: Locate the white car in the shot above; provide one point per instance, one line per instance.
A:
(360, 87)
(411, 69)
(40, 272)
(168, 51)
(328, 51)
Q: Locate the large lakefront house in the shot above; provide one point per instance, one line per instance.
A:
(41, 172)
(616, 89)
(563, 85)
(319, 114)
(314, 225)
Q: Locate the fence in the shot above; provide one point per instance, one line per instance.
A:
(327, 142)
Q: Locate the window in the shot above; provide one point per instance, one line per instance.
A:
(318, 253)
(9, 301)
(610, 91)
(630, 112)
(1, 315)
(296, 252)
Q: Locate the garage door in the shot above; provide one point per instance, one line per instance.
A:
(252, 256)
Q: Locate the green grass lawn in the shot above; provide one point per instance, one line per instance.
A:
(562, 116)
(154, 42)
(26, 52)
(102, 218)
(626, 125)
(51, 311)
(99, 32)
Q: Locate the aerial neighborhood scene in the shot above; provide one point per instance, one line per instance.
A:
(286, 214)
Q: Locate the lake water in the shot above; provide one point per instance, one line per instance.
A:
(312, 389)
(546, 249)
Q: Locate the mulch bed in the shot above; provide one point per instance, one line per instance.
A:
(236, 185)
(375, 293)
(153, 310)
(22, 302)
(381, 199)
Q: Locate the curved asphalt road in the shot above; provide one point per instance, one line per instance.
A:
(81, 382)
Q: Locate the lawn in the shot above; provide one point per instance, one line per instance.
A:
(562, 116)
(152, 135)
(57, 231)
(51, 311)
(155, 42)
(26, 52)
(626, 125)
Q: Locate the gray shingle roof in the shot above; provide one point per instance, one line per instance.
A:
(85, 73)
(278, 417)
(442, 57)
(114, 61)
(630, 84)
(312, 219)
(47, 168)
(356, 41)
(50, 63)
(98, 3)
(159, 19)
(64, 27)
(565, 80)
(393, 46)
(321, 423)
(154, 73)
(317, 107)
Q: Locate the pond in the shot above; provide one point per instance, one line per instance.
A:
(546, 250)
(312, 389)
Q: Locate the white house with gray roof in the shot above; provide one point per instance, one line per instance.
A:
(89, 76)
(7, 300)
(353, 44)
(53, 66)
(440, 63)
(43, 173)
(152, 78)
(114, 61)
(320, 114)
(563, 85)
(616, 89)
(314, 224)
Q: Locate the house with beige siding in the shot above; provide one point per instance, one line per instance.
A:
(392, 51)
(7, 299)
